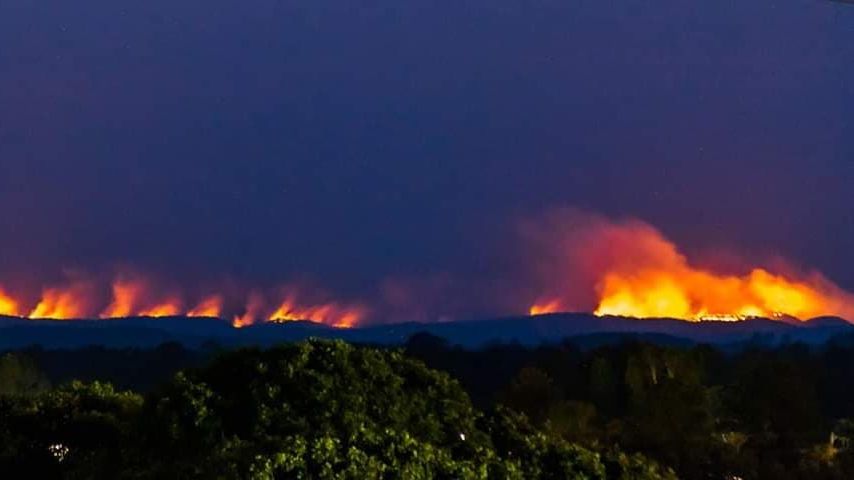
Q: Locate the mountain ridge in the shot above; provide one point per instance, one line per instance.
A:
(525, 330)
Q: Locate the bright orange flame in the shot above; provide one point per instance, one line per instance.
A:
(253, 311)
(8, 305)
(699, 295)
(126, 295)
(545, 306)
(637, 272)
(169, 308)
(62, 303)
(209, 307)
(330, 314)
(134, 295)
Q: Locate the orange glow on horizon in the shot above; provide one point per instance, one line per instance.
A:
(168, 308)
(290, 310)
(545, 306)
(59, 304)
(698, 295)
(210, 307)
(133, 297)
(8, 305)
(125, 296)
(254, 306)
(637, 272)
(329, 314)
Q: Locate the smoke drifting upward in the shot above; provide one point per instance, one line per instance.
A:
(260, 309)
(209, 307)
(566, 261)
(586, 262)
(131, 293)
(71, 300)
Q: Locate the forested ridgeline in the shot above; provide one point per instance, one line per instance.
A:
(322, 409)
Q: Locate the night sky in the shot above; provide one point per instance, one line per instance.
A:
(355, 141)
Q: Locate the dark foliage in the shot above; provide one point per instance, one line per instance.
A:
(317, 409)
(758, 414)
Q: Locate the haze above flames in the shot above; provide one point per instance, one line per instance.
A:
(629, 268)
(566, 260)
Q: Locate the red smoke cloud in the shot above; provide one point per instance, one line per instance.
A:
(134, 294)
(566, 261)
(286, 306)
(586, 262)
(75, 298)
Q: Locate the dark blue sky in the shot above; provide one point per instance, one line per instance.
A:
(351, 141)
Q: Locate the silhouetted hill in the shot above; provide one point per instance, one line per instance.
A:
(194, 332)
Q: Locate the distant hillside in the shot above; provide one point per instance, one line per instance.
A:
(196, 332)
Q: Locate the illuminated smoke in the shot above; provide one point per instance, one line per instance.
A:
(132, 294)
(573, 261)
(209, 307)
(253, 312)
(545, 306)
(70, 301)
(328, 313)
(168, 308)
(289, 309)
(126, 295)
(628, 268)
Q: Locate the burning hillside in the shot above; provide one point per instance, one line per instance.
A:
(136, 295)
(630, 269)
(576, 262)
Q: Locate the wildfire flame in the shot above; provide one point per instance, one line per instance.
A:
(333, 314)
(695, 294)
(125, 295)
(133, 295)
(637, 272)
(582, 262)
(253, 311)
(289, 310)
(169, 308)
(546, 306)
(8, 305)
(62, 303)
(209, 307)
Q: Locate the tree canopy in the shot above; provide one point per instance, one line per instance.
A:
(313, 410)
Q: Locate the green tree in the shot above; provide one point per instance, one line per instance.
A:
(313, 410)
(325, 402)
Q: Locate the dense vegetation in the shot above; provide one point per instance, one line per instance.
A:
(324, 410)
(332, 410)
(757, 414)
